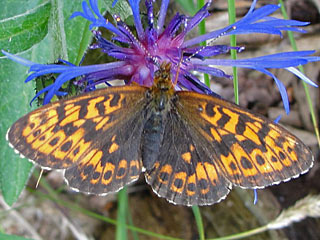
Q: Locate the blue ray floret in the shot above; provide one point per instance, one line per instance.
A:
(137, 56)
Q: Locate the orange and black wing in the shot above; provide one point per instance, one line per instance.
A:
(211, 144)
(184, 173)
(248, 149)
(94, 136)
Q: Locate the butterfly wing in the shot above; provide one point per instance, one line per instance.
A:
(94, 136)
(184, 172)
(250, 150)
(211, 144)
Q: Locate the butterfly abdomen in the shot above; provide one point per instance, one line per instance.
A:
(151, 139)
(153, 130)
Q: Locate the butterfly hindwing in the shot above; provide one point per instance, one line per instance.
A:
(113, 164)
(250, 150)
(184, 173)
(94, 136)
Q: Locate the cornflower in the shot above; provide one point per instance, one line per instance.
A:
(137, 56)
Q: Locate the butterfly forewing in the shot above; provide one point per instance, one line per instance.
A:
(250, 150)
(95, 136)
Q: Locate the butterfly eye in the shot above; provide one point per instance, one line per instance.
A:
(164, 76)
(157, 74)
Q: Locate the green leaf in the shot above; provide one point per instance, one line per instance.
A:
(12, 237)
(122, 8)
(15, 97)
(188, 6)
(22, 31)
(78, 35)
(46, 31)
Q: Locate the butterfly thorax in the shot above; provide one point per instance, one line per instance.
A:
(162, 90)
(160, 95)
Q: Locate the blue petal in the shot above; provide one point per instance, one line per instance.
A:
(87, 10)
(131, 39)
(136, 16)
(286, 60)
(209, 51)
(67, 63)
(278, 60)
(259, 13)
(67, 72)
(277, 119)
(100, 21)
(281, 87)
(151, 33)
(211, 35)
(94, 6)
(255, 199)
(252, 7)
(255, 21)
(114, 3)
(174, 25)
(149, 6)
(211, 71)
(255, 29)
(283, 22)
(18, 59)
(190, 82)
(41, 92)
(162, 15)
(301, 76)
(293, 54)
(59, 93)
(198, 17)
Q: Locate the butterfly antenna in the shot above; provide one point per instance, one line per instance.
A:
(41, 172)
(178, 69)
(210, 43)
(133, 39)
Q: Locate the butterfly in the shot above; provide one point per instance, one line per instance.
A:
(192, 148)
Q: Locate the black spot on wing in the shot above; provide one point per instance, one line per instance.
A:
(66, 146)
(54, 141)
(246, 164)
(260, 160)
(115, 100)
(209, 109)
(223, 120)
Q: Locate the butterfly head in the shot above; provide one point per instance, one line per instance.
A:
(162, 79)
(162, 89)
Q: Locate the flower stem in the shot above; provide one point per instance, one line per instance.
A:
(305, 86)
(197, 216)
(202, 30)
(233, 43)
(58, 31)
(121, 232)
(243, 234)
(196, 209)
